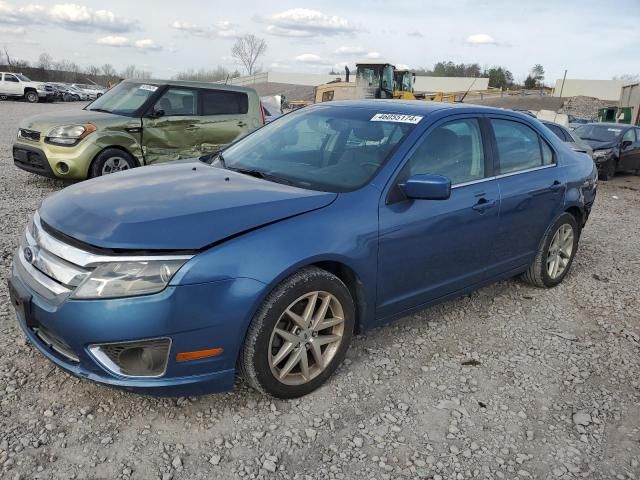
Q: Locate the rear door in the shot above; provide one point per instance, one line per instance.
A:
(531, 191)
(224, 118)
(171, 129)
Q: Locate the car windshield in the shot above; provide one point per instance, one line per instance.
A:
(124, 99)
(336, 149)
(598, 133)
(23, 78)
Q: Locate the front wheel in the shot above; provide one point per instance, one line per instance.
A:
(31, 97)
(609, 170)
(111, 160)
(556, 253)
(299, 336)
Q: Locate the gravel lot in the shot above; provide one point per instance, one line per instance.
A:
(509, 382)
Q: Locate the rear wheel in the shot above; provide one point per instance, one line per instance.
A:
(299, 336)
(31, 96)
(111, 160)
(556, 253)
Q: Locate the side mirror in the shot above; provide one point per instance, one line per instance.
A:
(427, 187)
(626, 143)
(156, 114)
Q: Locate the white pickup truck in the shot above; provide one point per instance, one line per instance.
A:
(18, 86)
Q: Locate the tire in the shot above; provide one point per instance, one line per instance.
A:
(258, 361)
(31, 96)
(609, 170)
(115, 158)
(540, 273)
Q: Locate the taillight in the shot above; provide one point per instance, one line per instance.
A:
(264, 118)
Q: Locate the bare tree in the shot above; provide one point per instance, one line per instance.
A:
(45, 61)
(627, 77)
(247, 50)
(9, 60)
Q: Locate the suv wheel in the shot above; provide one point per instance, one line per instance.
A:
(556, 253)
(111, 160)
(299, 335)
(31, 96)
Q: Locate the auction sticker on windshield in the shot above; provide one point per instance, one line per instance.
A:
(396, 117)
(150, 88)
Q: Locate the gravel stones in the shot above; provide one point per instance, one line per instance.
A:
(481, 387)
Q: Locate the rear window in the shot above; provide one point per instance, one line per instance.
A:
(220, 102)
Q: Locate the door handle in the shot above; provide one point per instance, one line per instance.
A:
(191, 127)
(242, 124)
(556, 185)
(483, 205)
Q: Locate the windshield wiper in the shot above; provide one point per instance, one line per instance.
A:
(261, 174)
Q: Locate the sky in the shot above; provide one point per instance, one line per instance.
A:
(593, 39)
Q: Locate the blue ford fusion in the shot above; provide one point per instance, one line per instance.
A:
(264, 260)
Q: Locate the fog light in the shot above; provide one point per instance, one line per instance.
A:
(143, 358)
(62, 168)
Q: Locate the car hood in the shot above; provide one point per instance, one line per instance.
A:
(72, 117)
(185, 205)
(599, 145)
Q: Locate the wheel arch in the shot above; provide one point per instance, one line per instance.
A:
(351, 279)
(114, 147)
(578, 213)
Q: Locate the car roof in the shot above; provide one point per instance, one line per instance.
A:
(414, 107)
(188, 83)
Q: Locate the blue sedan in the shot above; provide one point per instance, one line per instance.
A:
(265, 259)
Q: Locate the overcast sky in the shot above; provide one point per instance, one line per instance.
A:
(591, 38)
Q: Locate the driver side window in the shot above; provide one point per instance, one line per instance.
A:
(629, 135)
(454, 150)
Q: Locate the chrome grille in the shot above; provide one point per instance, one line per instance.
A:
(55, 269)
(29, 134)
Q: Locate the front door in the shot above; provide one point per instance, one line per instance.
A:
(11, 85)
(171, 130)
(531, 191)
(630, 151)
(432, 248)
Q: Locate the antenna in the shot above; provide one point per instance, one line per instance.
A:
(465, 93)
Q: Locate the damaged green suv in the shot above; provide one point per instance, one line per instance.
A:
(137, 123)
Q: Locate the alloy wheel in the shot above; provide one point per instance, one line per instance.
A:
(560, 251)
(306, 337)
(114, 164)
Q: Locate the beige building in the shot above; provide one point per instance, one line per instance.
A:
(602, 89)
(630, 97)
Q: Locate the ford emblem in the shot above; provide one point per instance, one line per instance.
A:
(28, 254)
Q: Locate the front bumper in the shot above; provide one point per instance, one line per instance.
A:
(194, 317)
(43, 158)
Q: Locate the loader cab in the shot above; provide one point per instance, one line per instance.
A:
(404, 81)
(374, 80)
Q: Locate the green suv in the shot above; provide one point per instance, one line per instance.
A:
(137, 123)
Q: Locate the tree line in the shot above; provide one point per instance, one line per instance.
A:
(499, 77)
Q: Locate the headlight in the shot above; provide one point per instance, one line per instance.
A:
(69, 134)
(127, 279)
(602, 153)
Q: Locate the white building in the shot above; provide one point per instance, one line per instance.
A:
(423, 84)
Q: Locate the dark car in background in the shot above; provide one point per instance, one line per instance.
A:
(616, 147)
(574, 142)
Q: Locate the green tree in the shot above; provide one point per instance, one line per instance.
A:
(530, 83)
(499, 77)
